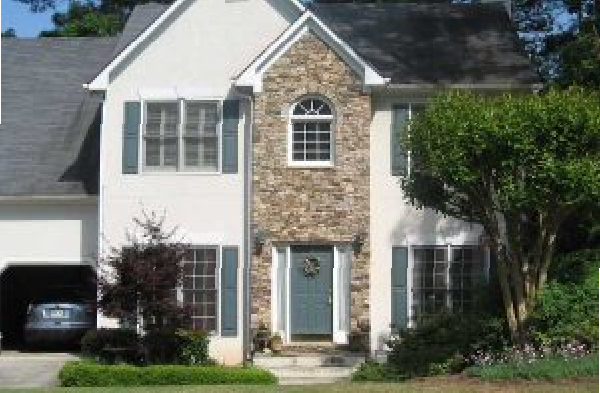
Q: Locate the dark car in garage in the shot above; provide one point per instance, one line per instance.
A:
(58, 322)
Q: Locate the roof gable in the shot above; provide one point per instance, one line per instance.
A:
(101, 80)
(308, 22)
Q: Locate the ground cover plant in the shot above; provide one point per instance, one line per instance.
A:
(550, 367)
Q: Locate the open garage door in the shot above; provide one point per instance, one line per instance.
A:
(20, 286)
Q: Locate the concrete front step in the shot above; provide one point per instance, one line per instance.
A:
(307, 381)
(308, 360)
(314, 369)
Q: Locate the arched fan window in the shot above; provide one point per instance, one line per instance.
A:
(311, 125)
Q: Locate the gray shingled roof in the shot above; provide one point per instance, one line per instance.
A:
(141, 17)
(433, 43)
(50, 124)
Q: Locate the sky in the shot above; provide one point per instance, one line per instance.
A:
(26, 23)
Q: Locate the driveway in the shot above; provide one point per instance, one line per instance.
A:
(24, 370)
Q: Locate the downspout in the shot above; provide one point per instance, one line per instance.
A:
(101, 193)
(246, 335)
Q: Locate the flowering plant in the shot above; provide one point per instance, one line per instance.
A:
(529, 353)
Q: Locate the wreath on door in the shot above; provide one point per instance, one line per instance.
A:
(311, 266)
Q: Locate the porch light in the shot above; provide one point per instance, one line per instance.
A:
(358, 240)
(259, 236)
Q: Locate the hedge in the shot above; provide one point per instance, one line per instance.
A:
(586, 366)
(85, 373)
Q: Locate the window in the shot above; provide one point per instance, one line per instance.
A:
(446, 278)
(402, 116)
(182, 135)
(312, 133)
(200, 287)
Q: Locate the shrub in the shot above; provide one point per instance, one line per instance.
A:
(79, 374)
(444, 343)
(162, 347)
(193, 347)
(553, 367)
(376, 372)
(567, 308)
(94, 341)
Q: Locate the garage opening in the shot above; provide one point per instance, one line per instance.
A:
(22, 286)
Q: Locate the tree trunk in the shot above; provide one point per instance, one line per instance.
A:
(507, 298)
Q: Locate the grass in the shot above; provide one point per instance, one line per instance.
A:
(585, 366)
(426, 385)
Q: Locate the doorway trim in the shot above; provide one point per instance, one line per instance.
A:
(281, 295)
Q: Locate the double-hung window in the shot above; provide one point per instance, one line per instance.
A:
(182, 136)
(200, 287)
(446, 278)
(402, 116)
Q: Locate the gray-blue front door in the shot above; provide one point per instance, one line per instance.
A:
(311, 295)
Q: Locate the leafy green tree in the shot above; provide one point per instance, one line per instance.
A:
(85, 20)
(519, 166)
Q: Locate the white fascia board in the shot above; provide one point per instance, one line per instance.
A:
(253, 72)
(100, 82)
(252, 76)
(33, 199)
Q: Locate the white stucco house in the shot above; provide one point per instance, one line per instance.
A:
(269, 133)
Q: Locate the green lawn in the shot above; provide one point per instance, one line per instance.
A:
(446, 385)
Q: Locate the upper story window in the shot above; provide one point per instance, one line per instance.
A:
(311, 125)
(182, 136)
(402, 116)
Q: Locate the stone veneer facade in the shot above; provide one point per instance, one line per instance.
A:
(316, 205)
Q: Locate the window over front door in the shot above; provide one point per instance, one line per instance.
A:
(181, 136)
(311, 129)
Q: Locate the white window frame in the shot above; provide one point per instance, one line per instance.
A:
(181, 169)
(317, 118)
(410, 285)
(180, 290)
(410, 106)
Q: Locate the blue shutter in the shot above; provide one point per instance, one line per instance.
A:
(131, 135)
(399, 294)
(229, 291)
(399, 156)
(231, 120)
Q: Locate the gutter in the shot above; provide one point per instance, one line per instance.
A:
(26, 199)
(462, 86)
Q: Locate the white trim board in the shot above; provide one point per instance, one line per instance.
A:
(102, 80)
(339, 336)
(308, 23)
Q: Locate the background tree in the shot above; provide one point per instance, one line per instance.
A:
(138, 281)
(519, 166)
(9, 33)
(86, 20)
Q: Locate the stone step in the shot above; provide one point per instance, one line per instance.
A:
(312, 372)
(307, 381)
(308, 360)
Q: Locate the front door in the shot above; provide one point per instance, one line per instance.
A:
(311, 292)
